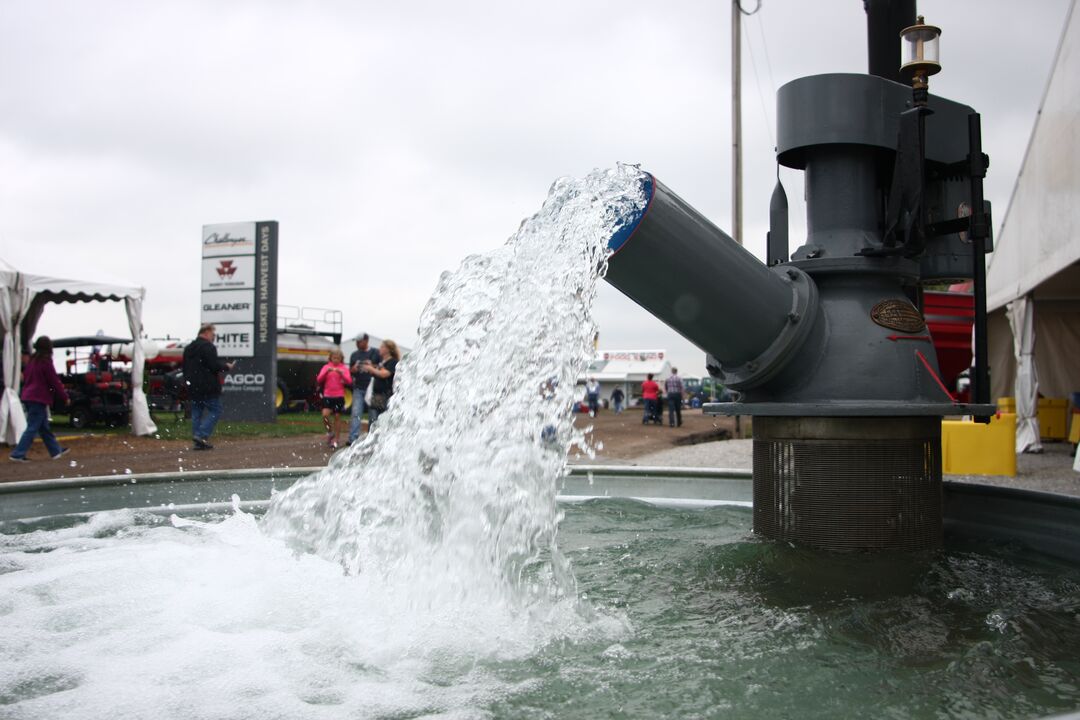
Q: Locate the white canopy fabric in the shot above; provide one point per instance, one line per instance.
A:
(12, 306)
(1040, 235)
(1022, 319)
(22, 300)
(1035, 267)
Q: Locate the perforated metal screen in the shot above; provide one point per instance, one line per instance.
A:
(849, 484)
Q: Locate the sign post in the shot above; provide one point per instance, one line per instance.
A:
(239, 297)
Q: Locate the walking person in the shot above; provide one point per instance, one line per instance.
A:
(361, 380)
(674, 387)
(332, 379)
(649, 391)
(592, 393)
(382, 383)
(617, 398)
(41, 388)
(202, 375)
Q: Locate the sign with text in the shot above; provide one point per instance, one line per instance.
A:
(235, 340)
(239, 297)
(228, 239)
(229, 306)
(228, 273)
(635, 355)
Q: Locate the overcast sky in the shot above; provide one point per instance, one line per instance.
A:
(390, 140)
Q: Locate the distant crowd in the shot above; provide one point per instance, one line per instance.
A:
(653, 399)
(369, 375)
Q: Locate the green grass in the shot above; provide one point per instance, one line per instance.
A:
(170, 428)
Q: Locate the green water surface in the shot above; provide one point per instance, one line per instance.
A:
(728, 625)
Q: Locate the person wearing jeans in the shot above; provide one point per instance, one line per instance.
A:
(382, 379)
(649, 392)
(205, 414)
(363, 354)
(617, 397)
(41, 388)
(674, 387)
(202, 374)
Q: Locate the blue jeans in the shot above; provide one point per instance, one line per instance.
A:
(674, 404)
(358, 407)
(205, 414)
(650, 411)
(37, 422)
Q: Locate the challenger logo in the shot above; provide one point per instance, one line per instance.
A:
(224, 239)
(226, 270)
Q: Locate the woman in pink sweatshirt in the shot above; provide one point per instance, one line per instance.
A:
(41, 388)
(333, 379)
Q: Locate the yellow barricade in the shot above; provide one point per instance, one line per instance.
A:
(971, 448)
(1053, 415)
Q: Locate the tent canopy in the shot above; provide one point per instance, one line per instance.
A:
(23, 297)
(1040, 236)
(1033, 282)
(88, 341)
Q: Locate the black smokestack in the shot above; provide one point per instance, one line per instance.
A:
(884, 21)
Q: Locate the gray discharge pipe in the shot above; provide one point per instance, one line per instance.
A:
(708, 288)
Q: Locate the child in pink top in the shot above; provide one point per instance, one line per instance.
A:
(333, 379)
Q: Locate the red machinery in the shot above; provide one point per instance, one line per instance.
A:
(949, 317)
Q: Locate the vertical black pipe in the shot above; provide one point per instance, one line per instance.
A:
(978, 233)
(884, 21)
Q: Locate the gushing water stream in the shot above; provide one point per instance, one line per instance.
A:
(453, 494)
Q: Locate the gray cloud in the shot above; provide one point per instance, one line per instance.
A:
(392, 139)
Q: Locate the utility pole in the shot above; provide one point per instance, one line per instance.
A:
(736, 140)
(736, 122)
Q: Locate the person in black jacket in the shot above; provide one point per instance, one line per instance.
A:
(382, 379)
(202, 369)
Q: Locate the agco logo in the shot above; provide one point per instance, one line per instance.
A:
(245, 379)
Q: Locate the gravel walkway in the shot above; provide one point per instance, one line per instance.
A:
(736, 454)
(1050, 471)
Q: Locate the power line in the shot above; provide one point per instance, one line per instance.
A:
(765, 45)
(757, 81)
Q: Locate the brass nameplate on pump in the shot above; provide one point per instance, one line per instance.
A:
(898, 315)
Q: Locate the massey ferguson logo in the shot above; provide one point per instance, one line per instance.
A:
(226, 269)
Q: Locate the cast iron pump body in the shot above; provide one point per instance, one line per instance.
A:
(829, 349)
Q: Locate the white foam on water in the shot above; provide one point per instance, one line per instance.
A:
(389, 584)
(128, 616)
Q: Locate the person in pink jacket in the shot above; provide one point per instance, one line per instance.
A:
(41, 388)
(333, 379)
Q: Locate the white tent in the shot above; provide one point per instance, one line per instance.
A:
(22, 300)
(625, 369)
(1033, 282)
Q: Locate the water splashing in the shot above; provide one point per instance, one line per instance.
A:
(453, 493)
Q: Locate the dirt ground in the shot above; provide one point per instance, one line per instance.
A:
(616, 437)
